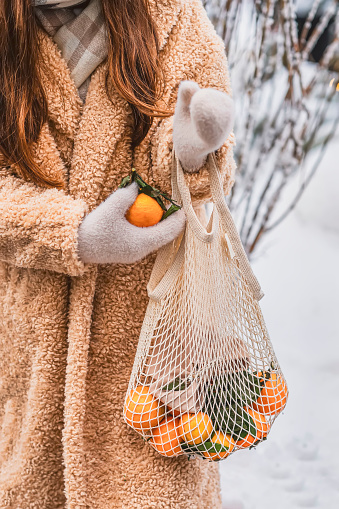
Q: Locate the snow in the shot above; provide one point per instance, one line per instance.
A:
(298, 466)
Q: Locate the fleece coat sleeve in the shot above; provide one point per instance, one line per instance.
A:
(206, 64)
(38, 226)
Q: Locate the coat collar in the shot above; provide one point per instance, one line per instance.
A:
(98, 117)
(165, 14)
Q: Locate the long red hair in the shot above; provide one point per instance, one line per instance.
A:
(133, 69)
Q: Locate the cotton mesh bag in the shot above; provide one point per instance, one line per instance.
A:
(205, 381)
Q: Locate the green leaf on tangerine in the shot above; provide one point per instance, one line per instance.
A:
(125, 181)
(212, 447)
(173, 208)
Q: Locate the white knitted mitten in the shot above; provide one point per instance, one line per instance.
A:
(105, 235)
(203, 120)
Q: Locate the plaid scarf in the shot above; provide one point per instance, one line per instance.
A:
(80, 34)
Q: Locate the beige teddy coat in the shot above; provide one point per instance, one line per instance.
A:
(68, 330)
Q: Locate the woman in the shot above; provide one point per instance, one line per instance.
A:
(88, 90)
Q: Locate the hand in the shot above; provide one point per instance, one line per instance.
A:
(203, 120)
(105, 235)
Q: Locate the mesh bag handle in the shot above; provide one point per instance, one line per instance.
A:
(230, 227)
(160, 281)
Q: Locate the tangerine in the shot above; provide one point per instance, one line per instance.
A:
(165, 438)
(273, 395)
(261, 429)
(224, 440)
(195, 428)
(145, 211)
(142, 410)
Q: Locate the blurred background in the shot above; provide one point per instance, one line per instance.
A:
(284, 64)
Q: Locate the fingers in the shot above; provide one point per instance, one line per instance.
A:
(154, 237)
(212, 113)
(122, 199)
(186, 91)
(168, 230)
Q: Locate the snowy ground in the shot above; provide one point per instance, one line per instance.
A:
(298, 466)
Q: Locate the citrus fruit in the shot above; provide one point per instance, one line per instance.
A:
(273, 395)
(195, 428)
(145, 211)
(224, 440)
(261, 429)
(142, 410)
(165, 438)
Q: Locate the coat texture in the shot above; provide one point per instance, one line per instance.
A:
(69, 330)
